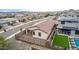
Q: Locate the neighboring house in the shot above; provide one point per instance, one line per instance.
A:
(8, 21)
(68, 25)
(23, 17)
(20, 16)
(68, 14)
(39, 34)
(3, 23)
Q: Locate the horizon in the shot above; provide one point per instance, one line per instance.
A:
(19, 10)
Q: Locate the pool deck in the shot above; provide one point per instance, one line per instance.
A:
(69, 43)
(76, 42)
(72, 42)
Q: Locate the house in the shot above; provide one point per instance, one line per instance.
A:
(68, 25)
(3, 23)
(20, 16)
(8, 21)
(39, 33)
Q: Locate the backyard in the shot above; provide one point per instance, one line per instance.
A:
(61, 41)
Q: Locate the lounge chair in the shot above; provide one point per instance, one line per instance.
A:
(74, 46)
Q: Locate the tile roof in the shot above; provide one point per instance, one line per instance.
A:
(45, 25)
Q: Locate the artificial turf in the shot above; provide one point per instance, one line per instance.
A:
(61, 40)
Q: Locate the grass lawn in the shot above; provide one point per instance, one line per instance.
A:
(61, 40)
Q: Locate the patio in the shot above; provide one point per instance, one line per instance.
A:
(63, 31)
(28, 38)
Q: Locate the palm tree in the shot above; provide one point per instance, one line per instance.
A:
(3, 43)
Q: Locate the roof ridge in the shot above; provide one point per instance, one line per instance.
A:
(39, 22)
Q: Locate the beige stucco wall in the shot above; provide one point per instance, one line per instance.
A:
(43, 34)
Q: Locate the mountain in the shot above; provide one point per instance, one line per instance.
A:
(11, 10)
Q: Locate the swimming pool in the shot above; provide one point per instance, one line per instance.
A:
(77, 42)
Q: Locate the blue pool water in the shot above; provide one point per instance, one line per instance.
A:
(77, 42)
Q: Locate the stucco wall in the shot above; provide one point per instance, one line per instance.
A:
(43, 34)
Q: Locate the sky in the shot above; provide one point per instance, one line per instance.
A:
(40, 5)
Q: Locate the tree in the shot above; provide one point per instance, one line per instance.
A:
(46, 15)
(3, 43)
(24, 20)
(0, 27)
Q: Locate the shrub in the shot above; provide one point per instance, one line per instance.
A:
(0, 27)
(3, 43)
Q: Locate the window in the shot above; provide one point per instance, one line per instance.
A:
(62, 22)
(77, 32)
(69, 21)
(33, 33)
(39, 34)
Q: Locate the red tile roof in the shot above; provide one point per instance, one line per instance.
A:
(46, 25)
